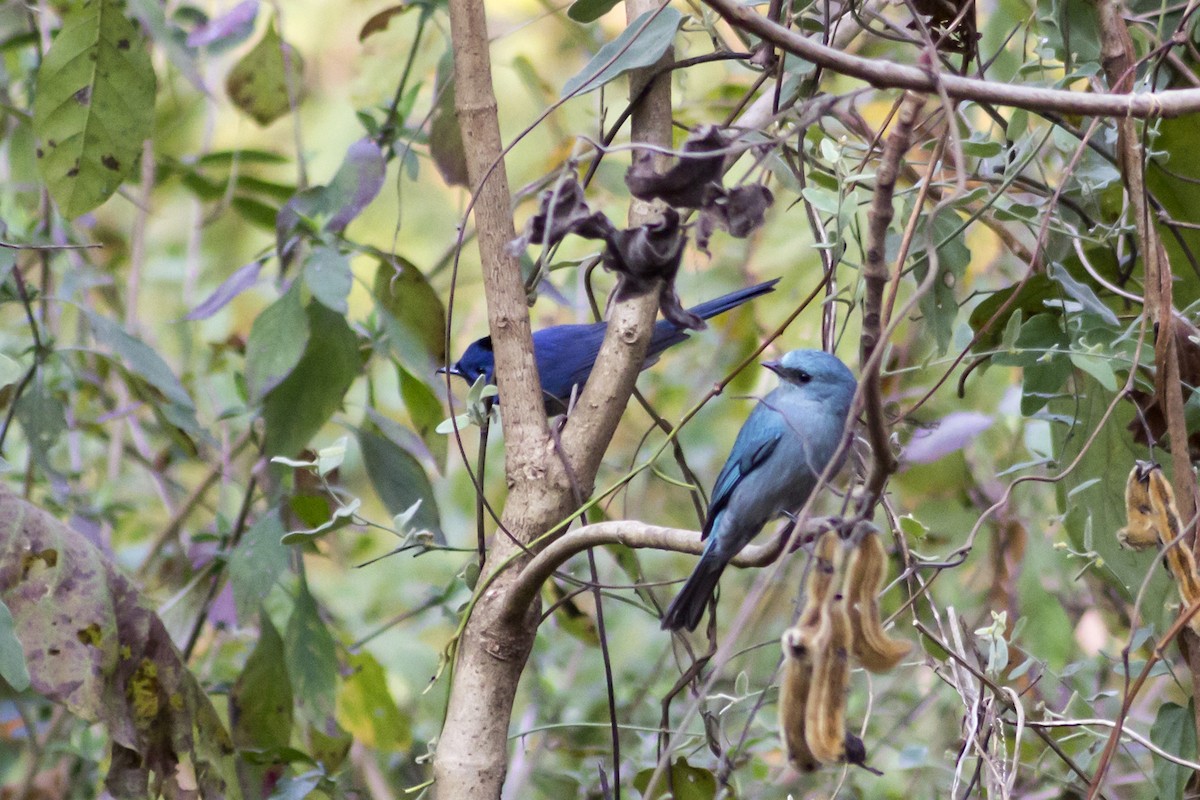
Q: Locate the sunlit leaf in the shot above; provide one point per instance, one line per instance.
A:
(681, 781)
(365, 707)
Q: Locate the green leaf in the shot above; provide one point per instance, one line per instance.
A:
(445, 137)
(259, 83)
(277, 342)
(1030, 301)
(140, 359)
(257, 562)
(1098, 367)
(938, 305)
(641, 44)
(311, 659)
(297, 408)
(94, 106)
(681, 782)
(425, 410)
(43, 418)
(11, 371)
(1174, 730)
(590, 10)
(167, 37)
(365, 707)
(12, 657)
(342, 516)
(1101, 506)
(260, 703)
(1081, 293)
(413, 314)
(400, 481)
(327, 275)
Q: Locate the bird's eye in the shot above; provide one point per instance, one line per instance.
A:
(802, 376)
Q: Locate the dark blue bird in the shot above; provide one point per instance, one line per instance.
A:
(785, 444)
(565, 354)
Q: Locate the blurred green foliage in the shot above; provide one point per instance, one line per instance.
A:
(241, 237)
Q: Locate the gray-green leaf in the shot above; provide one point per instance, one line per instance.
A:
(94, 106)
(640, 45)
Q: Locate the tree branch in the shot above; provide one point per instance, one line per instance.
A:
(630, 533)
(606, 393)
(875, 277)
(888, 74)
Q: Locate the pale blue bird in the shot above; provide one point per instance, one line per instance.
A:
(782, 449)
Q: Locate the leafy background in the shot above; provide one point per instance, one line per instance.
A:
(270, 274)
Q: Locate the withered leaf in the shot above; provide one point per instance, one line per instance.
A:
(644, 255)
(740, 211)
(693, 180)
(563, 210)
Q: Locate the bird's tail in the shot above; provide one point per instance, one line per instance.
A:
(688, 606)
(719, 305)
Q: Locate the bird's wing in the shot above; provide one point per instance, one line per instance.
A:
(565, 356)
(754, 450)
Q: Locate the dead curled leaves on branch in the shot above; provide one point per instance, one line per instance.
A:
(643, 255)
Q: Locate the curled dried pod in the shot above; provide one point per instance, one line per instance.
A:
(825, 710)
(1180, 561)
(1141, 527)
(865, 572)
(827, 557)
(793, 697)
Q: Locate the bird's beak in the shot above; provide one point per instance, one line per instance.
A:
(451, 370)
(774, 366)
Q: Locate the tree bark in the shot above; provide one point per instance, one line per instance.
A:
(471, 757)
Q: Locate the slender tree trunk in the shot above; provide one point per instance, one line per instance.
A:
(471, 757)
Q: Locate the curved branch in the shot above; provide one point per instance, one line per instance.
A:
(630, 533)
(888, 74)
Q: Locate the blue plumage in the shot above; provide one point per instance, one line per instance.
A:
(780, 452)
(565, 354)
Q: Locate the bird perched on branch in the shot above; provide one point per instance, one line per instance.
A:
(565, 354)
(781, 451)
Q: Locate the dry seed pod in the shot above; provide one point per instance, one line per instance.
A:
(1180, 562)
(827, 556)
(865, 572)
(1141, 528)
(825, 711)
(793, 698)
